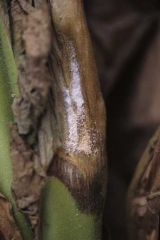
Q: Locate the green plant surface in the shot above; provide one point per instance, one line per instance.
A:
(8, 89)
(62, 220)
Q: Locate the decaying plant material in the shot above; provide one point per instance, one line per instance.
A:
(143, 197)
(29, 161)
(8, 228)
(59, 114)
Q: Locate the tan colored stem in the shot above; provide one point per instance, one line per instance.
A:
(80, 162)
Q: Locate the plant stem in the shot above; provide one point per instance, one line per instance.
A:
(8, 89)
(79, 163)
(61, 217)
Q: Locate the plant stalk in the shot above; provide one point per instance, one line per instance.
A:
(73, 198)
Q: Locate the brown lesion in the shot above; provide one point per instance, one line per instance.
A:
(89, 194)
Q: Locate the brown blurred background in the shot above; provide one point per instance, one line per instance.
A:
(126, 39)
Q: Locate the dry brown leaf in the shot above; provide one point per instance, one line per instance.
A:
(31, 145)
(8, 228)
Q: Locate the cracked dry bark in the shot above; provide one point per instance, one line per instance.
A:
(143, 197)
(59, 127)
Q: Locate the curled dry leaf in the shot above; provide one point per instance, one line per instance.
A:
(32, 144)
(28, 175)
(8, 228)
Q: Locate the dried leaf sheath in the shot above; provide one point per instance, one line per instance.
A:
(31, 110)
(143, 197)
(73, 198)
(80, 163)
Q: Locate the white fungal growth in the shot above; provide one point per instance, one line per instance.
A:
(78, 136)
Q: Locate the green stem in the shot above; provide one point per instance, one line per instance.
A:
(62, 220)
(8, 89)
